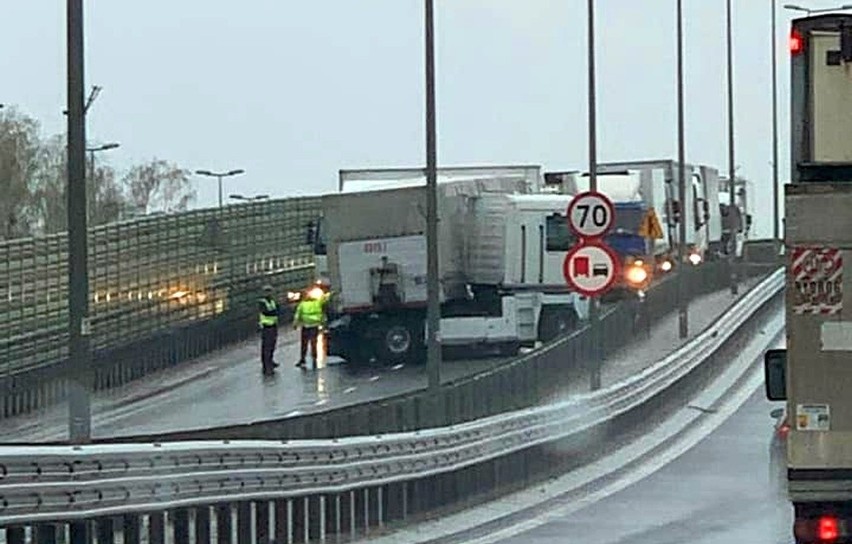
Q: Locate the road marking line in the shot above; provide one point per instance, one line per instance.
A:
(677, 435)
(321, 402)
(293, 413)
(375, 378)
(349, 390)
(397, 367)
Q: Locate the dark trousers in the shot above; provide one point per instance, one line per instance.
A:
(309, 337)
(268, 339)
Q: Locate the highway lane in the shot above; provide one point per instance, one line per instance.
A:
(227, 387)
(725, 489)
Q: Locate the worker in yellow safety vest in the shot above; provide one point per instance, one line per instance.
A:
(268, 324)
(310, 315)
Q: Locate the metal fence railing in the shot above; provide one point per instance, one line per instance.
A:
(313, 491)
(160, 276)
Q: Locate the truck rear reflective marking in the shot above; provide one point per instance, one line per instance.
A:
(818, 280)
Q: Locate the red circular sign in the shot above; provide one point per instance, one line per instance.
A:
(590, 215)
(591, 268)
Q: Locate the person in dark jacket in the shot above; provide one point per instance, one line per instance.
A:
(270, 311)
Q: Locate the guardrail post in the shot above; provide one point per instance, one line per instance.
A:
(15, 535)
(202, 525)
(324, 512)
(244, 524)
(157, 528)
(223, 524)
(181, 524)
(44, 533)
(131, 528)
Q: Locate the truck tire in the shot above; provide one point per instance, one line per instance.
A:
(400, 342)
(556, 322)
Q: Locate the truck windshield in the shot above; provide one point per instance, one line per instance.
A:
(559, 236)
(628, 218)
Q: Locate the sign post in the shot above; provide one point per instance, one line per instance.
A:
(591, 268)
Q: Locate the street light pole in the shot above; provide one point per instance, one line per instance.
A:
(594, 317)
(79, 375)
(775, 186)
(731, 161)
(219, 176)
(809, 11)
(433, 285)
(682, 270)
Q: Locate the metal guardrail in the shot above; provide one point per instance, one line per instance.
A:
(41, 485)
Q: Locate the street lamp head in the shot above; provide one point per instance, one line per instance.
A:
(794, 7)
(204, 172)
(237, 197)
(112, 145)
(261, 197)
(235, 172)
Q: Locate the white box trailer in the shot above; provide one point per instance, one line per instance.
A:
(500, 261)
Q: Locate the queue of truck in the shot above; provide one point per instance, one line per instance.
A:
(503, 236)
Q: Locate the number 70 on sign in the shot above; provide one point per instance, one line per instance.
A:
(591, 215)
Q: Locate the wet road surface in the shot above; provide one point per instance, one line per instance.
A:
(724, 490)
(228, 388)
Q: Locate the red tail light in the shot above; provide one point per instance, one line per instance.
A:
(827, 529)
(797, 44)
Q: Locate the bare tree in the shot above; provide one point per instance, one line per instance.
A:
(105, 199)
(19, 149)
(158, 186)
(49, 187)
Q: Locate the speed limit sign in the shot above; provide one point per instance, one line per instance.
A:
(591, 215)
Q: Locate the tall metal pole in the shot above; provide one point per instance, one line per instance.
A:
(220, 191)
(683, 302)
(594, 318)
(731, 163)
(776, 220)
(433, 310)
(79, 375)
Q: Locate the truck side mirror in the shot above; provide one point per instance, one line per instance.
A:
(775, 373)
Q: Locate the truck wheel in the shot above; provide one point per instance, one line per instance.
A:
(399, 342)
(556, 322)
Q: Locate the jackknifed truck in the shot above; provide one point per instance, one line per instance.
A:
(501, 245)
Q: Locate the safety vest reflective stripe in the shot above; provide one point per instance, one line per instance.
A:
(271, 308)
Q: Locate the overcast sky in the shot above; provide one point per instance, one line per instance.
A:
(292, 91)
